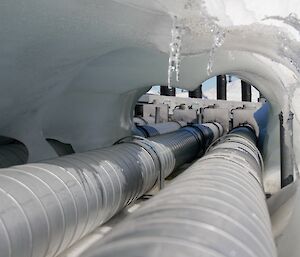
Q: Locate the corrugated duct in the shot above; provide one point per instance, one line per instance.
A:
(216, 208)
(46, 207)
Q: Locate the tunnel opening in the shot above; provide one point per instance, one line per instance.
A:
(160, 103)
(236, 112)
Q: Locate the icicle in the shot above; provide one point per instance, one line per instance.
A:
(175, 52)
(218, 40)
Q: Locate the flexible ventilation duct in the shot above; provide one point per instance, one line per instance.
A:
(184, 146)
(216, 208)
(217, 129)
(150, 130)
(46, 207)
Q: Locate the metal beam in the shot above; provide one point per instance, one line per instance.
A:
(246, 92)
(221, 87)
(47, 207)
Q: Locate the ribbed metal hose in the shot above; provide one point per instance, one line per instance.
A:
(187, 143)
(13, 154)
(216, 208)
(46, 207)
(217, 129)
(150, 130)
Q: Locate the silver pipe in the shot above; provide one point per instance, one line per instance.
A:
(150, 130)
(216, 128)
(186, 144)
(216, 208)
(46, 207)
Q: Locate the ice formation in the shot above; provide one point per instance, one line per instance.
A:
(175, 52)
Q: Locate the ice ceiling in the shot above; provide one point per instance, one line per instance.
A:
(72, 70)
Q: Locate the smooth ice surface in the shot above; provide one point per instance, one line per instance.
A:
(72, 70)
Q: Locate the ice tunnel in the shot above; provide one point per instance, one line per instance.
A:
(71, 73)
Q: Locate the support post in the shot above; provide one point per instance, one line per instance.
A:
(286, 150)
(165, 90)
(157, 114)
(246, 92)
(221, 87)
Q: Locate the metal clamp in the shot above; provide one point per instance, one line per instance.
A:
(150, 148)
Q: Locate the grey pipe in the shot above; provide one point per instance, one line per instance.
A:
(185, 144)
(46, 207)
(150, 130)
(216, 208)
(217, 129)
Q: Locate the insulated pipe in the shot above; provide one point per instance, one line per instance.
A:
(216, 208)
(246, 91)
(46, 207)
(261, 117)
(151, 130)
(187, 143)
(217, 129)
(246, 131)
